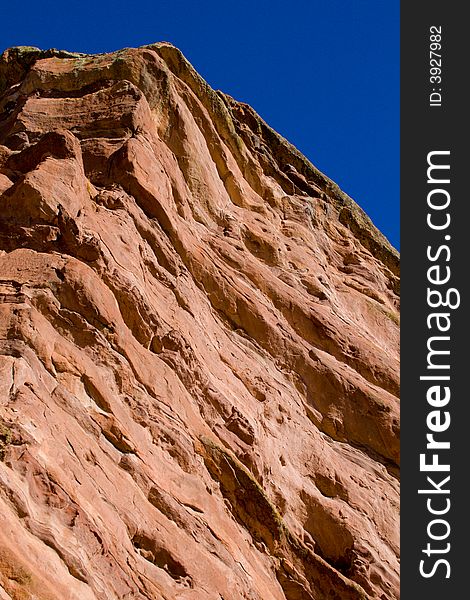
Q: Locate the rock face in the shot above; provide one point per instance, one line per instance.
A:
(198, 347)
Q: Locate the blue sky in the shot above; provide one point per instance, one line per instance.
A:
(324, 73)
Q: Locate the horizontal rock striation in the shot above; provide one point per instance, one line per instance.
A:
(198, 347)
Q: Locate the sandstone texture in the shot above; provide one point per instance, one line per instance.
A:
(198, 347)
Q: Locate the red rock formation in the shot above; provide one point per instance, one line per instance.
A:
(198, 347)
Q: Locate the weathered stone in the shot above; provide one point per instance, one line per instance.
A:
(198, 347)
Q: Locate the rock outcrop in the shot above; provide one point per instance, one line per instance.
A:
(198, 347)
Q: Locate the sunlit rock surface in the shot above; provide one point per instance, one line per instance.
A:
(198, 347)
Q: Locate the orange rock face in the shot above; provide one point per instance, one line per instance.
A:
(198, 347)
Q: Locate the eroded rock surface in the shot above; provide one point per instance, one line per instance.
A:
(198, 347)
